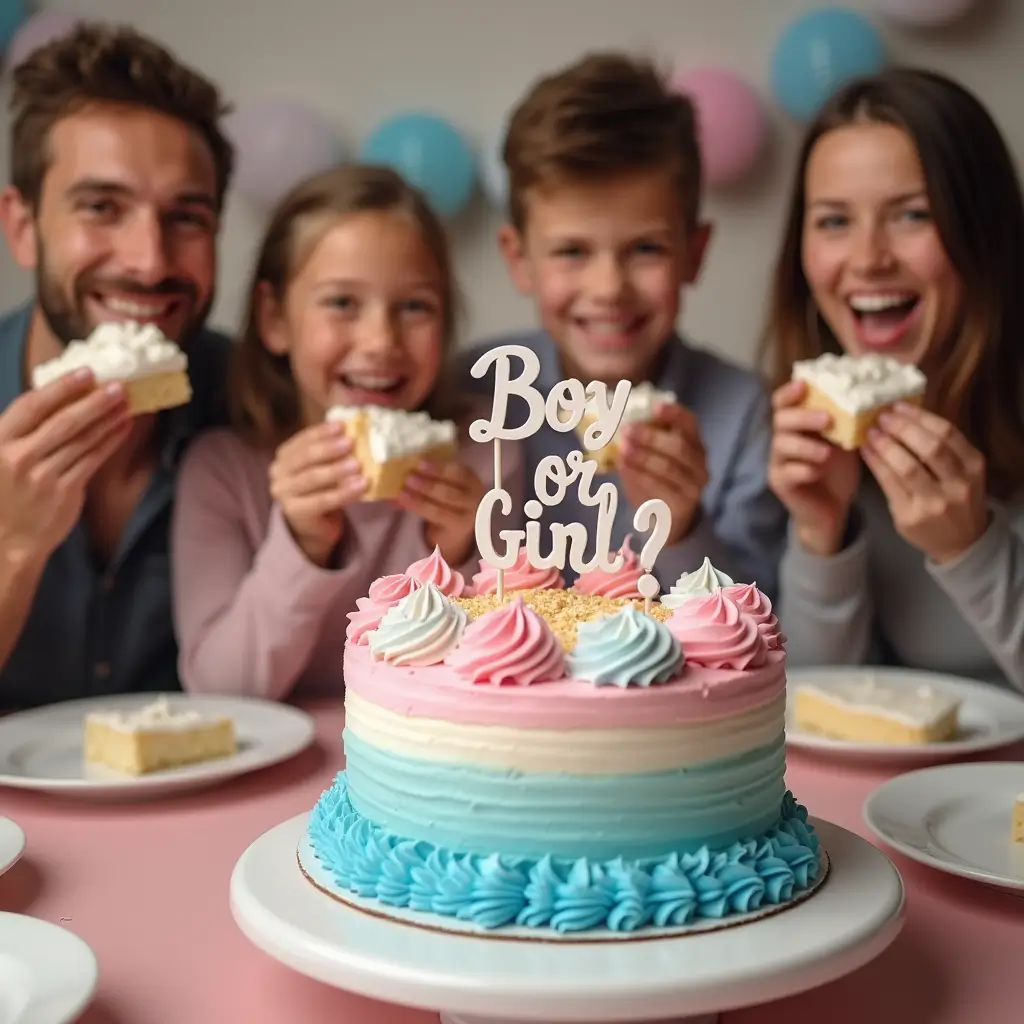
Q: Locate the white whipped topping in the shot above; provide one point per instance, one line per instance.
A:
(157, 715)
(917, 706)
(699, 583)
(393, 433)
(116, 351)
(643, 400)
(859, 383)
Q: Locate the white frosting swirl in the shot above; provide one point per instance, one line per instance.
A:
(420, 630)
(394, 433)
(859, 383)
(116, 351)
(699, 583)
(644, 398)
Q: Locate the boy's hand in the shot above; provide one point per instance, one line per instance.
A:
(665, 459)
(445, 496)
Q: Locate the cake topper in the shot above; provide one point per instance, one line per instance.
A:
(563, 408)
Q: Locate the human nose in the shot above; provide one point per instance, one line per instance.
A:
(378, 333)
(872, 251)
(143, 249)
(605, 278)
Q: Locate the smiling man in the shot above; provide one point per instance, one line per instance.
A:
(118, 173)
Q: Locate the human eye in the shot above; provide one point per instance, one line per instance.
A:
(649, 247)
(916, 215)
(569, 251)
(341, 302)
(831, 221)
(98, 208)
(419, 306)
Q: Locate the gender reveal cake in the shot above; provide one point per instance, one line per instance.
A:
(561, 763)
(153, 369)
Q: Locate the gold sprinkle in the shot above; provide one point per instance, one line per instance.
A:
(563, 610)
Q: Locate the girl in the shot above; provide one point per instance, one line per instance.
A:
(352, 303)
(905, 236)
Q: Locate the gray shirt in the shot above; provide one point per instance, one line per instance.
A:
(741, 527)
(101, 630)
(879, 600)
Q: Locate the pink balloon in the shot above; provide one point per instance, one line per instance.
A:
(37, 31)
(925, 13)
(731, 122)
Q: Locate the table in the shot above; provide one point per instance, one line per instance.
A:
(146, 885)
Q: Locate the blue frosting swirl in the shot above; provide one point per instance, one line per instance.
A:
(627, 648)
(566, 895)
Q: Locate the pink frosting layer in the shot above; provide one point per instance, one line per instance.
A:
(614, 584)
(434, 569)
(715, 633)
(698, 695)
(384, 593)
(521, 576)
(750, 600)
(511, 644)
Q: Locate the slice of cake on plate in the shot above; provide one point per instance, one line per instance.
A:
(153, 369)
(866, 711)
(856, 390)
(390, 442)
(643, 401)
(156, 736)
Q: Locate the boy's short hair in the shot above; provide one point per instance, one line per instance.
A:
(606, 115)
(95, 64)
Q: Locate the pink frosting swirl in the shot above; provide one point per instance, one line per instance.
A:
(434, 569)
(759, 608)
(715, 633)
(384, 593)
(614, 584)
(522, 576)
(511, 644)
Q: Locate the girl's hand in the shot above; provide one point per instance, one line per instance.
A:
(445, 496)
(814, 479)
(314, 475)
(665, 459)
(933, 478)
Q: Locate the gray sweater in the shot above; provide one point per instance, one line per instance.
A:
(880, 601)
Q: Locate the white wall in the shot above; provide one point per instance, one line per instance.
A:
(362, 60)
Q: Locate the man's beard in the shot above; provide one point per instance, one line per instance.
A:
(67, 318)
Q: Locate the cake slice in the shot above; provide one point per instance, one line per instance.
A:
(153, 369)
(156, 736)
(1018, 819)
(389, 442)
(865, 711)
(641, 404)
(856, 390)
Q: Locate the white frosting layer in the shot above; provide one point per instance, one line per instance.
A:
(393, 433)
(859, 383)
(156, 716)
(699, 583)
(623, 751)
(116, 351)
(641, 404)
(918, 707)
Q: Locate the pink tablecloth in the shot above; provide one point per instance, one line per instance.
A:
(147, 887)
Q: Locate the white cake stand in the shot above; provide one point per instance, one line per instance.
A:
(853, 917)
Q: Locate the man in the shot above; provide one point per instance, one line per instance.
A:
(119, 171)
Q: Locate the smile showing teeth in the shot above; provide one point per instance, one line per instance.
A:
(881, 303)
(368, 382)
(138, 310)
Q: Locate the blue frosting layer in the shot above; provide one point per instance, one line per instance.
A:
(495, 890)
(479, 809)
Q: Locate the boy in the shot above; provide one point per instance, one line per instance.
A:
(604, 233)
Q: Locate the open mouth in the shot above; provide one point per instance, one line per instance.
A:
(883, 320)
(150, 309)
(611, 333)
(371, 387)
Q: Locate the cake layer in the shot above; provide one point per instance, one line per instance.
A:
(609, 751)
(568, 895)
(699, 695)
(478, 810)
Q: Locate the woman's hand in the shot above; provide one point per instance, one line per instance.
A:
(933, 479)
(814, 479)
(445, 496)
(313, 477)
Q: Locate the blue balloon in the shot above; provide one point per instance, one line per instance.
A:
(430, 154)
(12, 14)
(818, 53)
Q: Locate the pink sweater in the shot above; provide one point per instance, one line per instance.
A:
(253, 615)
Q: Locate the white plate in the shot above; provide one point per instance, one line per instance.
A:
(12, 845)
(47, 974)
(955, 818)
(42, 748)
(990, 717)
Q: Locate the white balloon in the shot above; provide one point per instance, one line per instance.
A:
(925, 13)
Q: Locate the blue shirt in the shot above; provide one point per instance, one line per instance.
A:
(742, 527)
(109, 630)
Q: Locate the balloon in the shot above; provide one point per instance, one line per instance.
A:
(924, 12)
(732, 125)
(493, 173)
(818, 53)
(37, 31)
(279, 142)
(430, 154)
